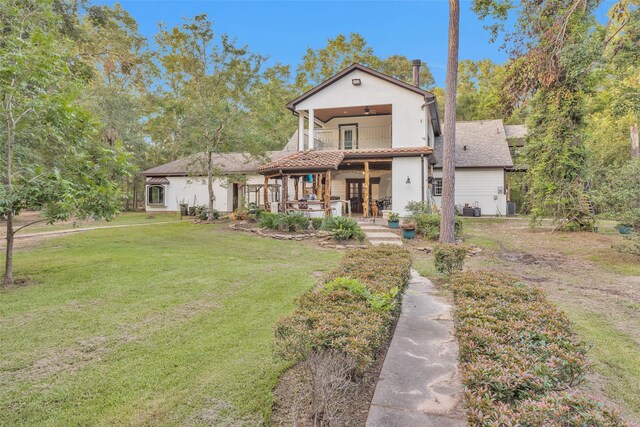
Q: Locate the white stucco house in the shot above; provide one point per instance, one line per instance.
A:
(366, 143)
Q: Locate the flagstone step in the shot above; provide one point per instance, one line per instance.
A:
(386, 242)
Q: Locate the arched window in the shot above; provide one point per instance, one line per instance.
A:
(155, 195)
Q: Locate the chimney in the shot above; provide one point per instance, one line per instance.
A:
(415, 64)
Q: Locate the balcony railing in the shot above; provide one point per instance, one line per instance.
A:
(364, 138)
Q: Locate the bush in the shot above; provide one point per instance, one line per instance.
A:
(429, 225)
(352, 313)
(417, 208)
(316, 223)
(516, 351)
(343, 228)
(630, 245)
(293, 221)
(268, 220)
(449, 258)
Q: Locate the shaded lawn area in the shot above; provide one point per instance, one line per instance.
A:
(124, 218)
(164, 324)
(597, 287)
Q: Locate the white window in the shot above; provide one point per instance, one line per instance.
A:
(155, 195)
(437, 186)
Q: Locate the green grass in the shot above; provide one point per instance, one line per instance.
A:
(163, 325)
(615, 354)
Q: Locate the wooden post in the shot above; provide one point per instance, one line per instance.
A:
(295, 188)
(365, 189)
(327, 194)
(265, 196)
(320, 188)
(635, 144)
(283, 192)
(304, 188)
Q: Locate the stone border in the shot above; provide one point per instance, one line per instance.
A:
(324, 238)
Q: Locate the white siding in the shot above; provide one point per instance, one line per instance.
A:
(403, 193)
(408, 116)
(481, 186)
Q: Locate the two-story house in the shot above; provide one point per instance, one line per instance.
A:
(366, 143)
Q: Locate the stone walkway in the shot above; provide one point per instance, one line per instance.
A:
(380, 234)
(419, 383)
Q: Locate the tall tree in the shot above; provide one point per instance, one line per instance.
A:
(210, 81)
(50, 161)
(447, 220)
(342, 51)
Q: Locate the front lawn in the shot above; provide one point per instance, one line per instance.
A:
(161, 324)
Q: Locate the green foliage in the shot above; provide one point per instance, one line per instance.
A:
(619, 194)
(293, 221)
(352, 313)
(269, 220)
(394, 216)
(316, 223)
(418, 207)
(629, 245)
(343, 228)
(202, 212)
(516, 351)
(449, 258)
(342, 51)
(429, 225)
(377, 301)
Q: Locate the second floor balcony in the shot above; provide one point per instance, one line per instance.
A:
(351, 137)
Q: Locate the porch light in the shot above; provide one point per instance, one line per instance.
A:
(408, 181)
(356, 82)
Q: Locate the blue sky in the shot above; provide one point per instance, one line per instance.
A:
(283, 30)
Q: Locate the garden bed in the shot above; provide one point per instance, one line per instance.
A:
(520, 358)
(336, 338)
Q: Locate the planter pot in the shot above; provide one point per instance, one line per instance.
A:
(408, 234)
(624, 229)
(394, 224)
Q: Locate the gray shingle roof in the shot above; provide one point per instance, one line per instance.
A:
(515, 131)
(227, 163)
(479, 144)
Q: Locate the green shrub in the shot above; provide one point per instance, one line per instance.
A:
(378, 301)
(316, 223)
(394, 216)
(629, 245)
(516, 351)
(343, 228)
(202, 212)
(293, 221)
(352, 313)
(417, 208)
(269, 220)
(449, 258)
(429, 225)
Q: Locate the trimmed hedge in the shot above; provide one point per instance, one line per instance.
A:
(519, 356)
(352, 312)
(429, 225)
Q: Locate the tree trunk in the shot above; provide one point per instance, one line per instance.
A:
(635, 143)
(212, 196)
(447, 221)
(8, 265)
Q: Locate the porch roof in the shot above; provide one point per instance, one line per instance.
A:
(313, 161)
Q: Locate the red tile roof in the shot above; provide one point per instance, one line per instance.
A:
(308, 161)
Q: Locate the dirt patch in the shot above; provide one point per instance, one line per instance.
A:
(218, 413)
(549, 260)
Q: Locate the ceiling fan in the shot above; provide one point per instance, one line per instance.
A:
(368, 111)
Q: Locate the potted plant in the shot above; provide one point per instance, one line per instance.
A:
(408, 229)
(625, 227)
(394, 220)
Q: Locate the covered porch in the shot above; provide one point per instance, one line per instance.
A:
(336, 183)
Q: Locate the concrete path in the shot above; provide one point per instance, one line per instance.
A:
(419, 383)
(380, 235)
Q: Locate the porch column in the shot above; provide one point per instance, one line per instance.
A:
(311, 129)
(295, 188)
(265, 196)
(284, 195)
(327, 195)
(365, 190)
(300, 131)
